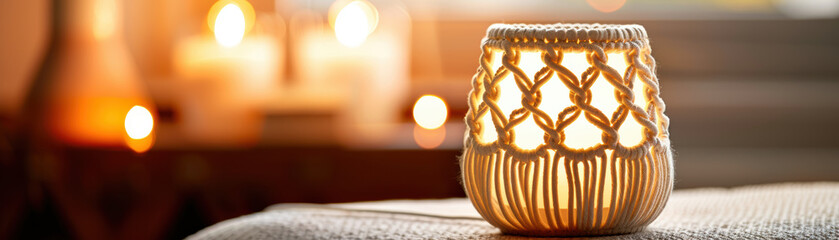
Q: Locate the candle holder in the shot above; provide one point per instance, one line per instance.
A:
(566, 133)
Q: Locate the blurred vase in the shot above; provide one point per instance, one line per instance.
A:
(87, 82)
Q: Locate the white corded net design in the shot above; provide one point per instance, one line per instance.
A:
(550, 188)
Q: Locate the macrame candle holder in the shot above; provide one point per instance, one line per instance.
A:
(566, 131)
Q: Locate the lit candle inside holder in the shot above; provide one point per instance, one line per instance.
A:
(566, 132)
(230, 76)
(363, 63)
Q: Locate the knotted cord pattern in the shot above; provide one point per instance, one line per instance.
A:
(607, 188)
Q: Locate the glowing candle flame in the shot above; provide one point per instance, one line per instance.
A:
(229, 26)
(355, 22)
(430, 112)
(138, 122)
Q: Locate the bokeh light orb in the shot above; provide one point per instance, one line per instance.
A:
(430, 112)
(138, 122)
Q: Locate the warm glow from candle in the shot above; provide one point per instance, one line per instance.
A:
(430, 112)
(105, 19)
(580, 134)
(355, 22)
(606, 6)
(140, 145)
(429, 138)
(229, 26)
(138, 122)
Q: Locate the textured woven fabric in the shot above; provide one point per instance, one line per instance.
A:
(776, 211)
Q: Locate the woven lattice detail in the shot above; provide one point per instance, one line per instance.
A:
(608, 188)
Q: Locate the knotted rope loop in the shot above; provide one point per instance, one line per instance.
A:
(552, 41)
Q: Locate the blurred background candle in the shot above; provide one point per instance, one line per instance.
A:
(430, 114)
(362, 59)
(139, 124)
(230, 76)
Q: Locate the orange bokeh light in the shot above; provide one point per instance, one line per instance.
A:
(354, 21)
(429, 138)
(89, 120)
(139, 129)
(606, 6)
(430, 111)
(237, 18)
(140, 145)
